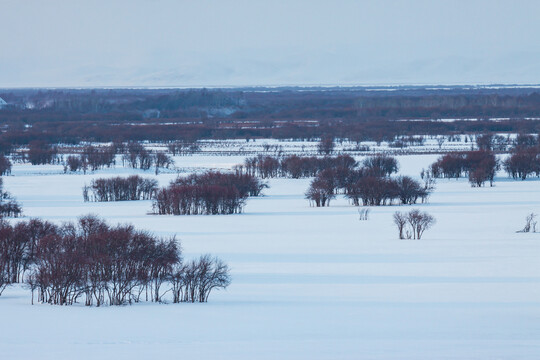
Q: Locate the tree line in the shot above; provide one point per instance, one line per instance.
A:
(120, 127)
(94, 158)
(294, 166)
(94, 263)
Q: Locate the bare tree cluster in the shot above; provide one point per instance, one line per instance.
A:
(523, 162)
(195, 280)
(320, 192)
(75, 163)
(98, 158)
(120, 188)
(198, 200)
(211, 193)
(417, 222)
(370, 185)
(138, 157)
(8, 205)
(92, 262)
(18, 245)
(491, 142)
(376, 191)
(40, 153)
(162, 160)
(92, 158)
(480, 166)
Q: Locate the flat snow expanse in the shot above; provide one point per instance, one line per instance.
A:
(308, 283)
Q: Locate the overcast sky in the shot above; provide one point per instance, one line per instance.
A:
(233, 43)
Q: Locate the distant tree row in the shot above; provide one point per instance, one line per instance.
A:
(94, 158)
(211, 193)
(502, 143)
(120, 188)
(135, 155)
(293, 166)
(92, 262)
(182, 147)
(165, 115)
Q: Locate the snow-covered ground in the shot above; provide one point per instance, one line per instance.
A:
(308, 283)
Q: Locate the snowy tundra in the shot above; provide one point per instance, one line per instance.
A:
(307, 283)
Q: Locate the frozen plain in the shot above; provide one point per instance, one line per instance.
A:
(308, 283)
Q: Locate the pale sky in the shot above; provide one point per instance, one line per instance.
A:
(88, 43)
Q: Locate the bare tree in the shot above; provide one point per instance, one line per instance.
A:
(5, 278)
(530, 224)
(213, 274)
(419, 222)
(400, 219)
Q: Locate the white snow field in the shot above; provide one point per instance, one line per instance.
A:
(307, 283)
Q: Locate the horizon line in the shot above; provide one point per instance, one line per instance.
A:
(298, 86)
